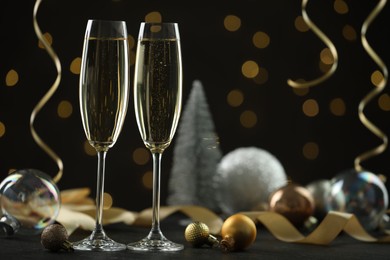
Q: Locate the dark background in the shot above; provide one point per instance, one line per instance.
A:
(213, 55)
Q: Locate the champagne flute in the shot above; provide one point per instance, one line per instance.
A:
(104, 94)
(157, 102)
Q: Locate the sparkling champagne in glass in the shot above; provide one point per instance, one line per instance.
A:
(157, 102)
(104, 94)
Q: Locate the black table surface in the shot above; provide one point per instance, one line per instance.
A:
(265, 247)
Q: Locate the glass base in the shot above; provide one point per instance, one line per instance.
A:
(98, 244)
(156, 245)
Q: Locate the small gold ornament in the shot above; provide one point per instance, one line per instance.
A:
(198, 234)
(294, 202)
(238, 232)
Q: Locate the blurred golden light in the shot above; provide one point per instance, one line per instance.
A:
(250, 69)
(49, 40)
(310, 108)
(235, 98)
(131, 41)
(248, 119)
(88, 149)
(337, 107)
(384, 102)
(147, 180)
(12, 78)
(310, 150)
(261, 40)
(340, 6)
(326, 56)
(2, 129)
(64, 109)
(153, 17)
(107, 200)
(232, 23)
(141, 156)
(376, 78)
(301, 91)
(11, 170)
(349, 32)
(300, 24)
(261, 77)
(75, 66)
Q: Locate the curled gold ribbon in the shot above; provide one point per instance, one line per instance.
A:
(331, 226)
(47, 96)
(373, 93)
(327, 42)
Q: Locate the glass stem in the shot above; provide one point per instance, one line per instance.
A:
(155, 232)
(99, 193)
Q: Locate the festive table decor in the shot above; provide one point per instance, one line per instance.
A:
(77, 213)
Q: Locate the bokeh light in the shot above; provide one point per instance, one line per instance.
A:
(340, 6)
(107, 200)
(326, 56)
(12, 78)
(377, 78)
(310, 150)
(147, 180)
(48, 38)
(349, 33)
(64, 109)
(250, 69)
(261, 77)
(261, 40)
(337, 107)
(248, 119)
(384, 102)
(2, 129)
(301, 91)
(153, 17)
(310, 108)
(235, 98)
(232, 23)
(300, 24)
(88, 149)
(75, 66)
(141, 156)
(131, 41)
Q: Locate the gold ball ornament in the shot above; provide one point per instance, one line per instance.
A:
(198, 234)
(238, 232)
(294, 202)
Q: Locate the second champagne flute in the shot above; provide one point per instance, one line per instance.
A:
(104, 94)
(157, 103)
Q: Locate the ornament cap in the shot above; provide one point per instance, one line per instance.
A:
(228, 244)
(9, 225)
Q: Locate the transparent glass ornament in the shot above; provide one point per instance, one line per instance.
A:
(362, 194)
(29, 201)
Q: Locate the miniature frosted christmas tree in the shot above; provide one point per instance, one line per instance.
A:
(196, 154)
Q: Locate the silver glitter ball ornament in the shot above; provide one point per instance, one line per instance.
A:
(245, 178)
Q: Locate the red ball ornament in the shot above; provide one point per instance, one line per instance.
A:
(294, 202)
(238, 232)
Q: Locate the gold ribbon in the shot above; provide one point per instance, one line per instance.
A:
(327, 42)
(376, 91)
(47, 96)
(78, 211)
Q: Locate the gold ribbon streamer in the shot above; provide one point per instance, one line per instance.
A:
(376, 91)
(47, 96)
(327, 42)
(331, 226)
